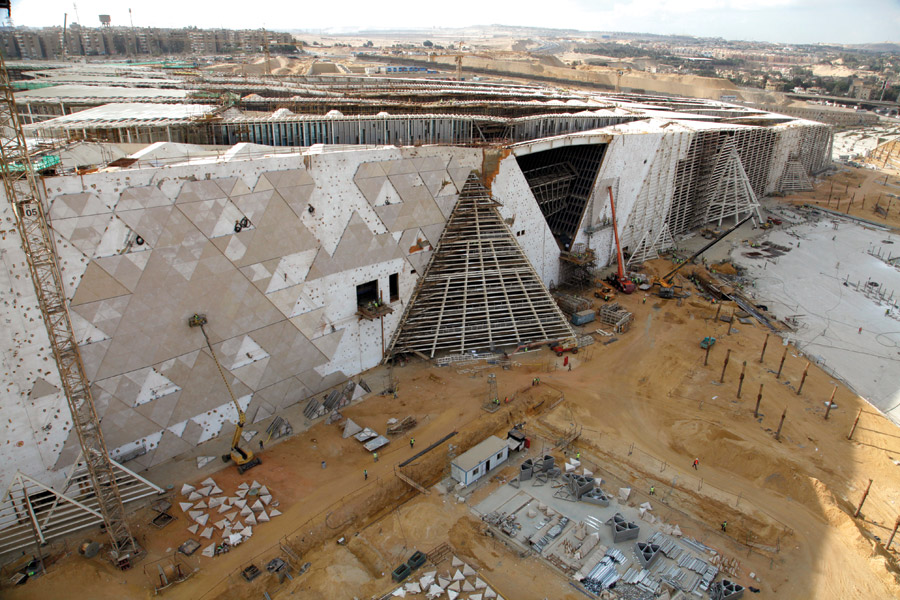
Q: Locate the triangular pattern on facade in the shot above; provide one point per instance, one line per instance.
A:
(479, 290)
(730, 193)
(794, 178)
(31, 510)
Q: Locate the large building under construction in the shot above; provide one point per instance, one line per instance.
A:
(319, 243)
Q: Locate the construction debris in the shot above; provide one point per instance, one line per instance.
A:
(615, 316)
(405, 425)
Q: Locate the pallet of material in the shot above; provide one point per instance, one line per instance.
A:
(570, 304)
(616, 316)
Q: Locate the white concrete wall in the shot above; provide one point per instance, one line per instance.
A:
(625, 165)
(511, 189)
(153, 382)
(282, 291)
(33, 428)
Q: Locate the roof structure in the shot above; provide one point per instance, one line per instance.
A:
(479, 453)
(137, 112)
(70, 92)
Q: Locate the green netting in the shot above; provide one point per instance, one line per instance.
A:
(44, 162)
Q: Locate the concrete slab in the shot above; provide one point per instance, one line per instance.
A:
(809, 281)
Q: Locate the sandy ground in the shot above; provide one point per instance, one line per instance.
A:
(645, 406)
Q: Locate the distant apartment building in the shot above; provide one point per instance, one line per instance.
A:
(860, 90)
(92, 42)
(29, 44)
(47, 43)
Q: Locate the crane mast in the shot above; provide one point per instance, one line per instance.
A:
(23, 193)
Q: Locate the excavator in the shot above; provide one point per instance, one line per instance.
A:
(618, 279)
(243, 458)
(665, 283)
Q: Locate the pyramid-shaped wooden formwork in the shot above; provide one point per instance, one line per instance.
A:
(794, 178)
(479, 291)
(731, 194)
(32, 511)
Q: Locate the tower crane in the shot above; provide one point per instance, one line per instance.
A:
(243, 458)
(23, 193)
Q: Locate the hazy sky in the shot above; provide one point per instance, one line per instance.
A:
(791, 21)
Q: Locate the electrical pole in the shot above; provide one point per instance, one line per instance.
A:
(780, 425)
(762, 354)
(758, 400)
(803, 379)
(830, 403)
(863, 501)
(724, 366)
(781, 366)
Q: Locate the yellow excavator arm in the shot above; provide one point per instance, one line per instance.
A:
(243, 458)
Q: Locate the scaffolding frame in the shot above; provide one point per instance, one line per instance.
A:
(733, 194)
(565, 177)
(479, 291)
(649, 216)
(699, 174)
(32, 510)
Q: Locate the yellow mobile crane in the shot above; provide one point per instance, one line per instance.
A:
(244, 459)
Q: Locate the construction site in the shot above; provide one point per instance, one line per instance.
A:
(367, 336)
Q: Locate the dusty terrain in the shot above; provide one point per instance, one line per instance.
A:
(645, 406)
(857, 192)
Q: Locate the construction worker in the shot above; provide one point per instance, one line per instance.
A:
(412, 442)
(696, 464)
(365, 474)
(652, 491)
(323, 464)
(374, 455)
(724, 525)
(578, 456)
(260, 445)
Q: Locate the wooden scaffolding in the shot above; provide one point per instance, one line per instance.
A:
(794, 177)
(733, 195)
(479, 291)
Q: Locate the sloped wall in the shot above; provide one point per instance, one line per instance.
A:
(270, 249)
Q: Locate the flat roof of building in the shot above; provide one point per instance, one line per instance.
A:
(98, 91)
(479, 453)
(126, 113)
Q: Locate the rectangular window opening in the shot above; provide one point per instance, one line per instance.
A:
(394, 284)
(367, 292)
